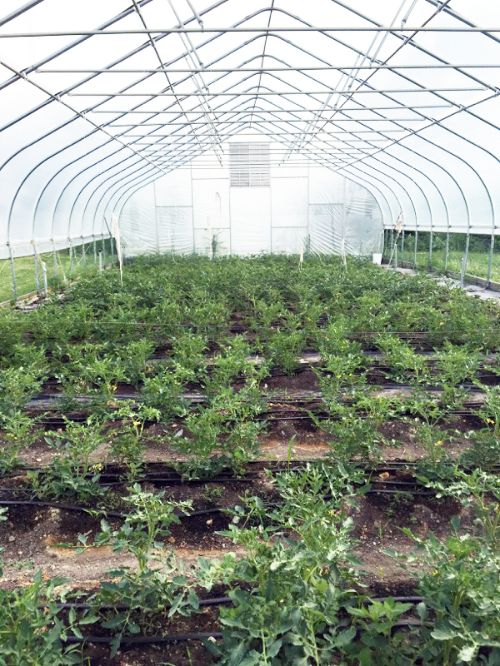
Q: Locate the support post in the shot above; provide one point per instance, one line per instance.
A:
(490, 259)
(54, 256)
(465, 260)
(13, 273)
(37, 274)
(45, 281)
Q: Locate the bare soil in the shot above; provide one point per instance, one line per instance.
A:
(46, 538)
(289, 435)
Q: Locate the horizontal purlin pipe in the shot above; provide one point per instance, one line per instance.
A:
(263, 30)
(283, 93)
(262, 70)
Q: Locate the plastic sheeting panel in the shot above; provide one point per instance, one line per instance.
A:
(175, 229)
(304, 206)
(250, 220)
(289, 202)
(216, 243)
(76, 141)
(291, 240)
(211, 203)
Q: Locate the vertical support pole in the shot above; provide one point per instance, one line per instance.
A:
(416, 246)
(95, 250)
(490, 259)
(13, 273)
(100, 262)
(84, 252)
(54, 256)
(403, 245)
(467, 242)
(431, 240)
(446, 251)
(465, 260)
(37, 274)
(112, 244)
(157, 224)
(45, 281)
(70, 257)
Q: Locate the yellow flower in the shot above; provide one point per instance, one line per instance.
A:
(439, 442)
(490, 421)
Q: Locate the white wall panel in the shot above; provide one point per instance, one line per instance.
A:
(291, 240)
(289, 197)
(338, 212)
(175, 228)
(250, 220)
(211, 203)
(174, 189)
(325, 187)
(203, 241)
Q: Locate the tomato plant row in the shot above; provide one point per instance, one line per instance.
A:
(296, 588)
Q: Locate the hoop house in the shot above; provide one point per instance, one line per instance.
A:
(250, 127)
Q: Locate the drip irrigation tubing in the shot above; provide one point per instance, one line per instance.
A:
(270, 398)
(166, 475)
(129, 641)
(77, 605)
(207, 602)
(101, 511)
(409, 488)
(158, 326)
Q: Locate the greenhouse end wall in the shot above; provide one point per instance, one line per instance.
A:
(295, 208)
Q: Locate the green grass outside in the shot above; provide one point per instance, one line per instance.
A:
(25, 268)
(25, 271)
(477, 264)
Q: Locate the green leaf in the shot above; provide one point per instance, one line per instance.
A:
(274, 648)
(467, 653)
(89, 619)
(421, 610)
(345, 637)
(365, 657)
(444, 634)
(77, 632)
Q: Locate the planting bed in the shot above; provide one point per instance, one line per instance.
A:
(300, 439)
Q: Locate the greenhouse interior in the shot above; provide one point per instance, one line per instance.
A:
(249, 332)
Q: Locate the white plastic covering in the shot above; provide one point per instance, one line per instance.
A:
(304, 207)
(400, 97)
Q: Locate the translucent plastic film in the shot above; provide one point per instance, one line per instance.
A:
(297, 208)
(101, 99)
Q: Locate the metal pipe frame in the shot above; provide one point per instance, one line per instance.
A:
(355, 151)
(263, 70)
(260, 30)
